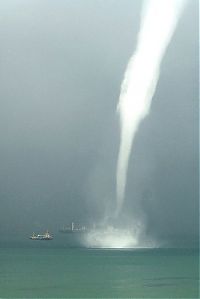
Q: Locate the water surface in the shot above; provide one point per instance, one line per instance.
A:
(45, 272)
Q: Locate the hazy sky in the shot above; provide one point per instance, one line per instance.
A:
(61, 66)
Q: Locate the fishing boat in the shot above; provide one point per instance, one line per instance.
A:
(45, 236)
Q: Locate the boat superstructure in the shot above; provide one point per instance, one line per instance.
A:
(72, 228)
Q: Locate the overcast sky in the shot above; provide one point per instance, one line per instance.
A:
(61, 66)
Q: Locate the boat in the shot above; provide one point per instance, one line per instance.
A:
(72, 228)
(45, 236)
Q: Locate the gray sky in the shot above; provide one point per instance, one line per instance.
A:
(61, 66)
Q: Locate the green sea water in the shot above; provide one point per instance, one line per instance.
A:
(96, 273)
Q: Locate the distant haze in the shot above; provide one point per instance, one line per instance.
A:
(61, 66)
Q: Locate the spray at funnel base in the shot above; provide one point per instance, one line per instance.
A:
(111, 238)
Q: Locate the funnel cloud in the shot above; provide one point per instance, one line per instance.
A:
(158, 22)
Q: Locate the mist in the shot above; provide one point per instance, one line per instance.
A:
(62, 64)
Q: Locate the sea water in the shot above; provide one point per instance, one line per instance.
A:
(46, 272)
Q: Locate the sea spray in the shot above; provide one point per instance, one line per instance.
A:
(158, 22)
(111, 237)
